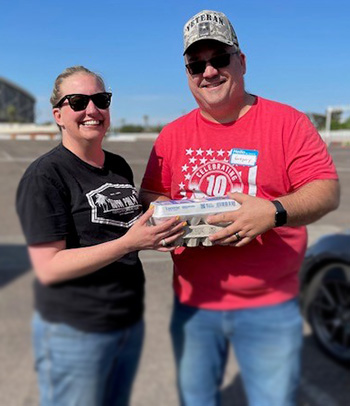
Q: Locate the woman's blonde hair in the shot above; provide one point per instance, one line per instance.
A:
(56, 92)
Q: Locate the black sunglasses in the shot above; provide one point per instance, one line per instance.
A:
(79, 102)
(220, 61)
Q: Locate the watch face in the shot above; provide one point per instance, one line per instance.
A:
(281, 214)
(281, 218)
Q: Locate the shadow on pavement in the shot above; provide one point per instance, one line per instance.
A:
(324, 382)
(233, 394)
(14, 262)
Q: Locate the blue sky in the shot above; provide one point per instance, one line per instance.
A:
(297, 51)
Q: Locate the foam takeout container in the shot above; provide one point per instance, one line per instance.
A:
(194, 211)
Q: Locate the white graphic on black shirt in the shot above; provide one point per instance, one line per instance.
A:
(114, 204)
(208, 172)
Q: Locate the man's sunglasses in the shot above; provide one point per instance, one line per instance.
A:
(217, 62)
(79, 102)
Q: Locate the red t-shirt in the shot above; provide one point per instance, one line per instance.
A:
(269, 152)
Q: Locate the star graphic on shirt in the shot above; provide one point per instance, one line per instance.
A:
(194, 187)
(193, 160)
(184, 168)
(194, 168)
(199, 151)
(188, 176)
(221, 152)
(189, 151)
(183, 194)
(203, 161)
(181, 185)
(209, 152)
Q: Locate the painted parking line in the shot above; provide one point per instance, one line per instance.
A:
(10, 159)
(6, 156)
(314, 231)
(155, 260)
(12, 239)
(137, 161)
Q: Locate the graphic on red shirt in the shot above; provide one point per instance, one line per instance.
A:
(217, 172)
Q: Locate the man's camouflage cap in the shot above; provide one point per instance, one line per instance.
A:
(209, 25)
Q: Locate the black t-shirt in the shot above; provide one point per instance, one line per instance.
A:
(62, 197)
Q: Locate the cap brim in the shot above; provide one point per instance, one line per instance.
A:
(229, 43)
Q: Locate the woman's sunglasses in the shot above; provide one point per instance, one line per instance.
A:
(79, 102)
(220, 61)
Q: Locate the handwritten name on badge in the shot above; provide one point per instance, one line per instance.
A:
(244, 157)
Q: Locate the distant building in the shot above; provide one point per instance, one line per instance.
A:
(16, 104)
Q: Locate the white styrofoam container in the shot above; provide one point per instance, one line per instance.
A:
(194, 212)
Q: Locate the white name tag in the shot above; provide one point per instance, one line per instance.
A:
(243, 157)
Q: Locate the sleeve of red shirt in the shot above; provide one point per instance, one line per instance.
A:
(307, 157)
(157, 177)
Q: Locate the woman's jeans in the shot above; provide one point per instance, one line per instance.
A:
(267, 343)
(76, 368)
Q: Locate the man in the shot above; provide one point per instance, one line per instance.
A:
(242, 290)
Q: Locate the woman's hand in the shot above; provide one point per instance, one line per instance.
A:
(142, 236)
(54, 263)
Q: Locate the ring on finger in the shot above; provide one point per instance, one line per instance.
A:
(238, 237)
(163, 242)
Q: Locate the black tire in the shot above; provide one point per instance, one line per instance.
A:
(327, 306)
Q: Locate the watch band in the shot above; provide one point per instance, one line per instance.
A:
(280, 215)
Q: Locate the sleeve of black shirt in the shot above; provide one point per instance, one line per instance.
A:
(42, 208)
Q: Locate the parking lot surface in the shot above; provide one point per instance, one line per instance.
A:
(323, 382)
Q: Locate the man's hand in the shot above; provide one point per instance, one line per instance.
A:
(254, 217)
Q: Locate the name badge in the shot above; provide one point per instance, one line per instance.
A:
(243, 157)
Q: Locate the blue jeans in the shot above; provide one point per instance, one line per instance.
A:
(76, 368)
(267, 343)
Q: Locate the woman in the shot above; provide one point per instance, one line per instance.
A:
(81, 217)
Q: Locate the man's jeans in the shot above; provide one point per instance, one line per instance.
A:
(267, 343)
(76, 368)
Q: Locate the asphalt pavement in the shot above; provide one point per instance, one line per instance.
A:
(323, 382)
